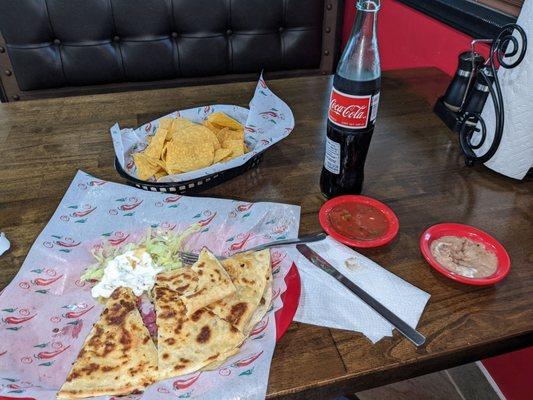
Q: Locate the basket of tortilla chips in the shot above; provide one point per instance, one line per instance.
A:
(194, 149)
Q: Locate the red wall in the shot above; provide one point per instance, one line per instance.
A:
(408, 39)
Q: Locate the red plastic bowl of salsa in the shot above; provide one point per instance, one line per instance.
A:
(359, 221)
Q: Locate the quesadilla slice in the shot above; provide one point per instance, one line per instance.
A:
(262, 308)
(221, 359)
(249, 273)
(118, 357)
(187, 343)
(257, 316)
(184, 281)
(214, 283)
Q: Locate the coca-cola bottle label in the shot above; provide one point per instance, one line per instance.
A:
(349, 111)
(332, 159)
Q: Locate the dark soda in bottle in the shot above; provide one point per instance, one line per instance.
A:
(353, 106)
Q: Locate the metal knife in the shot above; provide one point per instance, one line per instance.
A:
(412, 334)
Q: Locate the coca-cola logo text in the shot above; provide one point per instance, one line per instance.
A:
(349, 111)
(352, 111)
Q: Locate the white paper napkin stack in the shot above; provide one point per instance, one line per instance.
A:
(514, 157)
(326, 302)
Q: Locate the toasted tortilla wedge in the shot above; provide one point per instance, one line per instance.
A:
(186, 344)
(249, 273)
(259, 313)
(213, 285)
(184, 281)
(261, 310)
(118, 357)
(221, 359)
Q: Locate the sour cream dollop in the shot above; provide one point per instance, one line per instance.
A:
(134, 269)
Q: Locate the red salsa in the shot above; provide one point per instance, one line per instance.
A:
(358, 221)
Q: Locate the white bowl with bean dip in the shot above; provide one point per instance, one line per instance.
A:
(465, 254)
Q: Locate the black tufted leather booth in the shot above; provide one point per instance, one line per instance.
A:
(67, 43)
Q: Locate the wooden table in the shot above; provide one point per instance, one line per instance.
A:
(414, 165)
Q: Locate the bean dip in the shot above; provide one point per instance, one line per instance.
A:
(464, 257)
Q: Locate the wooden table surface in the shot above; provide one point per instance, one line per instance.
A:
(413, 165)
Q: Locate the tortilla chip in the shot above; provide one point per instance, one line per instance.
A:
(166, 123)
(226, 133)
(155, 148)
(190, 152)
(236, 147)
(203, 133)
(211, 127)
(159, 174)
(221, 154)
(222, 120)
(180, 145)
(235, 135)
(146, 166)
(221, 134)
(178, 124)
(164, 152)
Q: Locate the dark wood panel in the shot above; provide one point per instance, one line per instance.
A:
(414, 165)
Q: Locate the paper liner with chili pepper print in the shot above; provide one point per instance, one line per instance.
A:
(46, 312)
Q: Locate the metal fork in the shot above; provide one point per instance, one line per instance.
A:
(191, 258)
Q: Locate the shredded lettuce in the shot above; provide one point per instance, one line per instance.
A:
(163, 247)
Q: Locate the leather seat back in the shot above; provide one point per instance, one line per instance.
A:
(55, 44)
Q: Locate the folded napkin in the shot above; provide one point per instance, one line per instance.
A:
(326, 302)
(4, 243)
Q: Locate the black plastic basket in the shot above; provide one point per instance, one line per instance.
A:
(193, 185)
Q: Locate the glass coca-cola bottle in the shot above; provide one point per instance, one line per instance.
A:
(353, 106)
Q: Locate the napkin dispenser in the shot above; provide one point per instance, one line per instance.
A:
(479, 104)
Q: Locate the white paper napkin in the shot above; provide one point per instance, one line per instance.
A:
(326, 302)
(4, 243)
(514, 157)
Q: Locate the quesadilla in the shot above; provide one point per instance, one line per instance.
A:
(214, 283)
(118, 357)
(184, 281)
(257, 316)
(262, 308)
(249, 273)
(187, 343)
(221, 359)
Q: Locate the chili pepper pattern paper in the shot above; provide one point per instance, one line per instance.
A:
(46, 312)
(268, 121)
